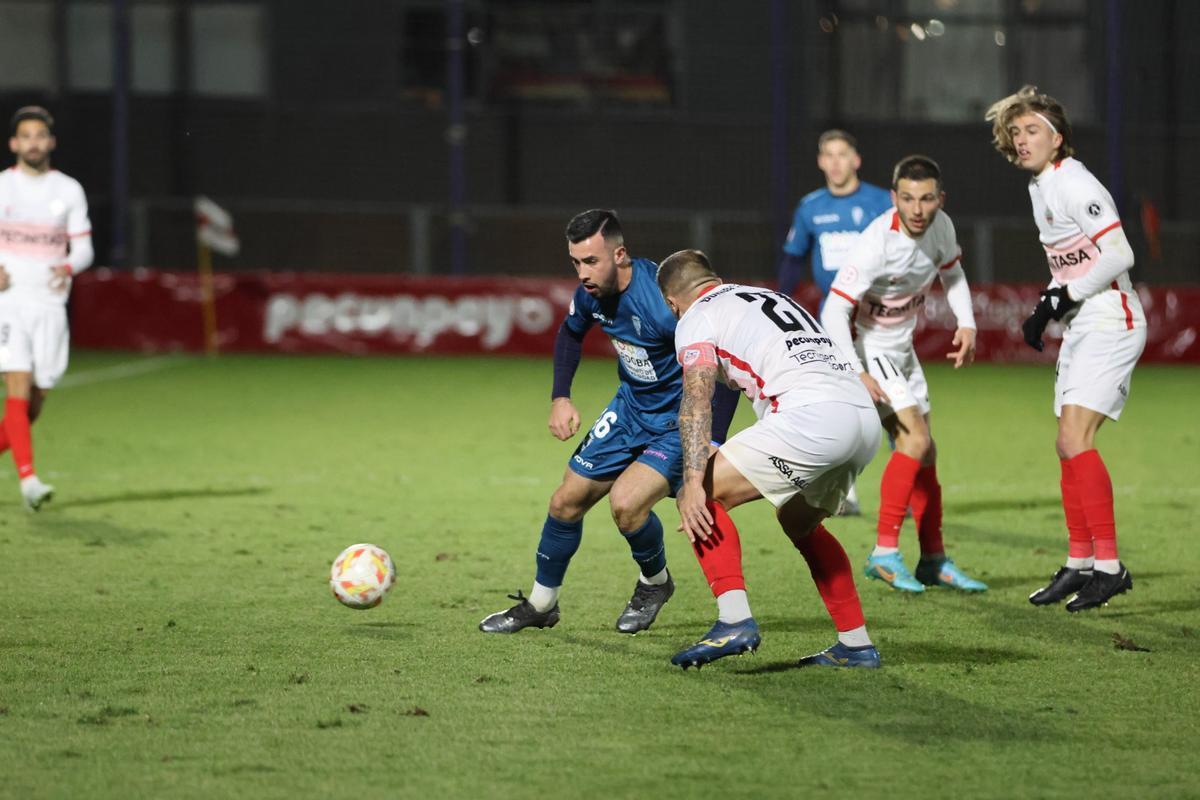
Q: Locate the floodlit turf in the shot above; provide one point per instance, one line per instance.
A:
(166, 629)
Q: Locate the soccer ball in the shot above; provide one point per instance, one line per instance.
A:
(361, 575)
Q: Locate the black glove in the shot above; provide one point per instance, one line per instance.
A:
(1052, 305)
(1059, 300)
(1036, 323)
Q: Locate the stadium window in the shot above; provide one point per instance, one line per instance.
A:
(27, 46)
(229, 50)
(948, 60)
(90, 47)
(538, 52)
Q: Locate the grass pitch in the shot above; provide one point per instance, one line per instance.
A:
(167, 631)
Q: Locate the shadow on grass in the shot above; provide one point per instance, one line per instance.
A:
(164, 495)
(1001, 504)
(92, 532)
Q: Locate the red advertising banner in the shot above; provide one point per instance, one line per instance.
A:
(154, 310)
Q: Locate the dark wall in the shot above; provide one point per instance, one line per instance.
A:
(337, 128)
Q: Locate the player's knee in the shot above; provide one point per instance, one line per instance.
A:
(916, 445)
(1070, 442)
(565, 507)
(628, 512)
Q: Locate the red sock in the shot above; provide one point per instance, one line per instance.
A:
(1079, 540)
(1096, 498)
(16, 425)
(894, 495)
(834, 578)
(720, 555)
(926, 502)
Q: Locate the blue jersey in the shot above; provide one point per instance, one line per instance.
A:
(642, 329)
(827, 226)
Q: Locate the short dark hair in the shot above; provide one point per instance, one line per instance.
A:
(684, 270)
(916, 168)
(834, 135)
(30, 112)
(598, 220)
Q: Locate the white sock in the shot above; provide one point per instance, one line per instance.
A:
(733, 606)
(1080, 563)
(852, 495)
(1110, 565)
(657, 579)
(884, 551)
(855, 638)
(29, 480)
(543, 598)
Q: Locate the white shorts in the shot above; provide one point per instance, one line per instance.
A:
(815, 450)
(1095, 368)
(34, 338)
(900, 376)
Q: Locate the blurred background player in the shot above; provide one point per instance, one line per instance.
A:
(826, 224)
(816, 431)
(631, 453)
(884, 279)
(1105, 333)
(45, 238)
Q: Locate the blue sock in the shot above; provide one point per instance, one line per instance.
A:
(559, 542)
(646, 544)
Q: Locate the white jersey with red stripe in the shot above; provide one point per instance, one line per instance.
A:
(888, 273)
(769, 347)
(39, 216)
(1073, 210)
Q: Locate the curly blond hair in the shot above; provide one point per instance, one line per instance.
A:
(1027, 100)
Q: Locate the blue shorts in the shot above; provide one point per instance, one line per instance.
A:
(617, 439)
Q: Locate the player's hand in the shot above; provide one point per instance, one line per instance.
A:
(873, 388)
(964, 339)
(1033, 327)
(60, 278)
(1059, 300)
(564, 419)
(694, 519)
(5, 281)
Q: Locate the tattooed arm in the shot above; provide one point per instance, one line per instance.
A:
(695, 433)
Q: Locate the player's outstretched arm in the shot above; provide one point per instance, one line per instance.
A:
(564, 418)
(695, 433)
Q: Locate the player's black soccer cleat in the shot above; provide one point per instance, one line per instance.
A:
(644, 606)
(522, 615)
(1100, 589)
(1065, 583)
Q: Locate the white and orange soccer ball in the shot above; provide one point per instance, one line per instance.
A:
(361, 575)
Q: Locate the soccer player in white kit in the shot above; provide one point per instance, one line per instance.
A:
(882, 287)
(816, 431)
(1105, 333)
(45, 238)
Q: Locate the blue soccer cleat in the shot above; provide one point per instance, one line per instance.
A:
(723, 639)
(891, 570)
(943, 572)
(841, 655)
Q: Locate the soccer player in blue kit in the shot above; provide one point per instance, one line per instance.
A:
(632, 452)
(826, 224)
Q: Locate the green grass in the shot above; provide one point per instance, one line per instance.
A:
(166, 629)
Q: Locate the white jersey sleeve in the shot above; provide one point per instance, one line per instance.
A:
(79, 230)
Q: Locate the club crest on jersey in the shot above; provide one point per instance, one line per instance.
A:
(637, 324)
(690, 357)
(1049, 216)
(856, 214)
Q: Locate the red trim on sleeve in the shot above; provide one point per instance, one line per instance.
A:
(895, 220)
(88, 232)
(1095, 239)
(744, 367)
(700, 354)
(951, 262)
(840, 293)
